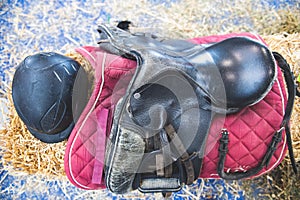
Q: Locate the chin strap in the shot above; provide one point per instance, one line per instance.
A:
(223, 148)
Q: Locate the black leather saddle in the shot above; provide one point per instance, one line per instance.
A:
(160, 126)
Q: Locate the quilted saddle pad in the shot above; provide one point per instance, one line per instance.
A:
(85, 149)
(250, 130)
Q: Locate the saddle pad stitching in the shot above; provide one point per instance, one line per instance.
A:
(270, 167)
(284, 143)
(91, 110)
(263, 118)
(240, 140)
(87, 138)
(278, 160)
(211, 160)
(79, 156)
(75, 152)
(86, 166)
(84, 142)
(253, 130)
(249, 150)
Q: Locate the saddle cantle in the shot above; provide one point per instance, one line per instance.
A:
(156, 144)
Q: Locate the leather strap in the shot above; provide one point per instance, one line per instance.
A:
(277, 137)
(223, 149)
(185, 157)
(166, 154)
(164, 163)
(292, 90)
(167, 160)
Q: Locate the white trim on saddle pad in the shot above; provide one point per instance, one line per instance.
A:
(282, 154)
(283, 112)
(85, 119)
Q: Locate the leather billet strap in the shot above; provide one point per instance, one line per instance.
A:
(184, 156)
(164, 180)
(166, 156)
(277, 137)
(223, 149)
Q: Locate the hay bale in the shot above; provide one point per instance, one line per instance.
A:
(194, 18)
(21, 152)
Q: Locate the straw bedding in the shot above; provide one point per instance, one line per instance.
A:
(22, 153)
(289, 46)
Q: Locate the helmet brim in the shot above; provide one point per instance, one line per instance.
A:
(52, 138)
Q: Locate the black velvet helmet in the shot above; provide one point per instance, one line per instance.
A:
(49, 92)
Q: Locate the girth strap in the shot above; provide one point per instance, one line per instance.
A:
(185, 157)
(166, 182)
(167, 160)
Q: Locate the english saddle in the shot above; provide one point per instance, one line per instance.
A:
(160, 126)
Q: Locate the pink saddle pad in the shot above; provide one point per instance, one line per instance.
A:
(84, 155)
(85, 151)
